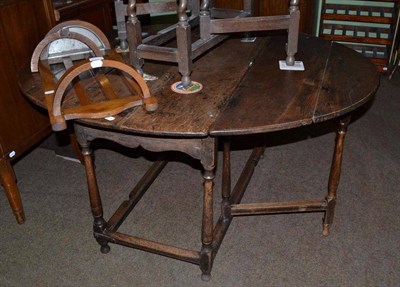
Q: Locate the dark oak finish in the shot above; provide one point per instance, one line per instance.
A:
(22, 25)
(244, 93)
(323, 91)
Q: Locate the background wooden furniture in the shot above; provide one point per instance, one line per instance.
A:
(97, 12)
(277, 7)
(23, 24)
(214, 26)
(368, 27)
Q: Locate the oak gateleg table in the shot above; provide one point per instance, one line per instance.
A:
(244, 93)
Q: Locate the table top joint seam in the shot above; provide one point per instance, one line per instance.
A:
(321, 83)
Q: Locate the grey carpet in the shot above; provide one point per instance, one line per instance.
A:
(55, 246)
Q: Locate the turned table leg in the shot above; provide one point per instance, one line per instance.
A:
(226, 179)
(208, 161)
(293, 32)
(8, 180)
(99, 224)
(207, 225)
(134, 37)
(334, 176)
(184, 44)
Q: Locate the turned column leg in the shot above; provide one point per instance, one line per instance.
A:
(205, 20)
(8, 181)
(334, 176)
(99, 224)
(226, 179)
(121, 27)
(184, 44)
(293, 32)
(134, 37)
(207, 225)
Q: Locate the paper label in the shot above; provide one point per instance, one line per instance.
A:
(298, 66)
(96, 62)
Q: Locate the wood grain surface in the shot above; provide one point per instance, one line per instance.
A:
(336, 80)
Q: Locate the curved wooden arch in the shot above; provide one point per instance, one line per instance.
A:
(82, 24)
(102, 109)
(50, 38)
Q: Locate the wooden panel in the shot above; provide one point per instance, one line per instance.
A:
(98, 12)
(22, 25)
(277, 7)
(232, 4)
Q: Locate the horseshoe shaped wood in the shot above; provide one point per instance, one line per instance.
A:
(95, 70)
(84, 38)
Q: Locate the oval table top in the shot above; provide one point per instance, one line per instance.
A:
(244, 91)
